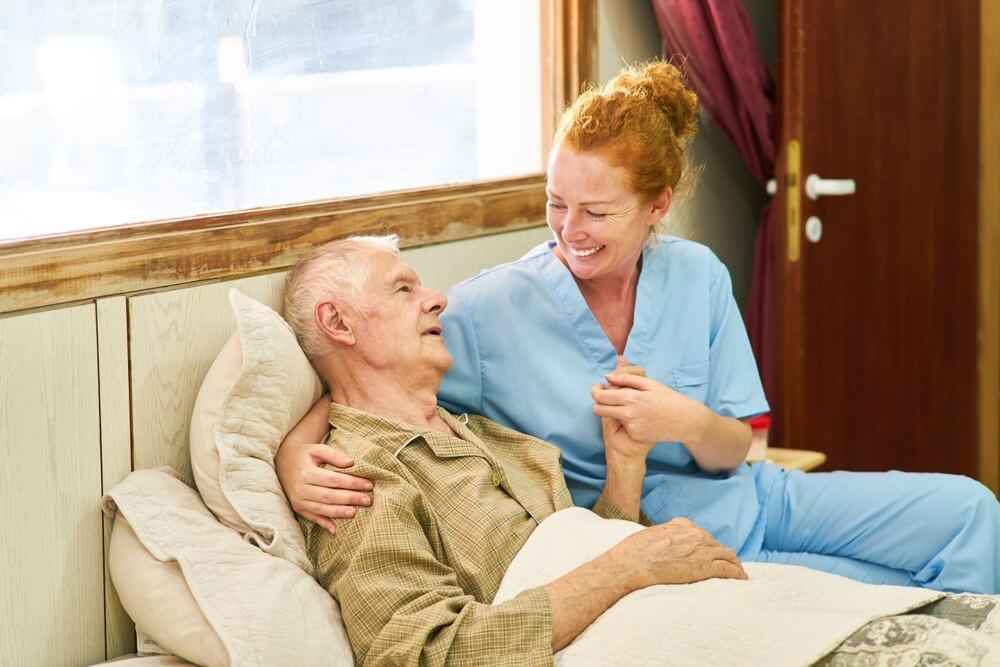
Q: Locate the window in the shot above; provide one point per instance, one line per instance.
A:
(122, 112)
(153, 143)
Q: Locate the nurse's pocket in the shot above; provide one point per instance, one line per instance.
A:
(692, 381)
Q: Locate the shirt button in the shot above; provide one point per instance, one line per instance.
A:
(496, 478)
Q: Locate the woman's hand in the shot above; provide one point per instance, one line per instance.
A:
(652, 412)
(618, 444)
(648, 410)
(314, 492)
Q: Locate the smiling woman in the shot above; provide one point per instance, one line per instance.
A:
(305, 112)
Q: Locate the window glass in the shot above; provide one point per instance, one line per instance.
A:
(123, 111)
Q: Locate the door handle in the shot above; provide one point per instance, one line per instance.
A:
(817, 187)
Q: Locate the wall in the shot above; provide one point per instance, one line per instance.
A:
(723, 212)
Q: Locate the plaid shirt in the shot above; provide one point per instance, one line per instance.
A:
(415, 573)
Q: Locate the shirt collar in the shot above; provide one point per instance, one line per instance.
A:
(391, 434)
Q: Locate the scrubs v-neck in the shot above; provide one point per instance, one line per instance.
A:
(527, 350)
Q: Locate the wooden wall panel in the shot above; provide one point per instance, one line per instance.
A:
(116, 449)
(441, 266)
(52, 579)
(174, 338)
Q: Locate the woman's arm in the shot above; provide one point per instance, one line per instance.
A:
(316, 493)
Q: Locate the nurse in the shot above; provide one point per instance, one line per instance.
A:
(541, 344)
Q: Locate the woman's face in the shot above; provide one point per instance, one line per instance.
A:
(600, 226)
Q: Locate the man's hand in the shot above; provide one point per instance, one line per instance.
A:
(677, 552)
(623, 367)
(618, 444)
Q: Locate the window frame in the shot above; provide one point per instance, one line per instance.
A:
(82, 266)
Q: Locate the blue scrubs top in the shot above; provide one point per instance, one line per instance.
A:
(527, 349)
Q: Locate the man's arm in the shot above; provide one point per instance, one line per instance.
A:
(677, 552)
(403, 605)
(626, 471)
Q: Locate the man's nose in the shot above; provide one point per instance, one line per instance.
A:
(435, 301)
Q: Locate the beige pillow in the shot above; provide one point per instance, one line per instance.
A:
(257, 389)
(155, 595)
(200, 591)
(148, 661)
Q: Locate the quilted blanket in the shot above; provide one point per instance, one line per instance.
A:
(960, 629)
(782, 615)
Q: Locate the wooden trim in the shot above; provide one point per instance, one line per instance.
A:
(571, 28)
(989, 246)
(580, 56)
(551, 74)
(49, 271)
(791, 365)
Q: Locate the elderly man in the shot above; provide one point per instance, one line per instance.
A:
(458, 496)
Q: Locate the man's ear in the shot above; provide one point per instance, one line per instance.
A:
(332, 321)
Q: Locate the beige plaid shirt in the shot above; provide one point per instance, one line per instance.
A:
(415, 573)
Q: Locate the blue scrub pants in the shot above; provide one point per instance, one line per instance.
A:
(909, 529)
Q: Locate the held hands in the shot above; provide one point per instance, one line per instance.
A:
(648, 411)
(676, 552)
(619, 445)
(318, 494)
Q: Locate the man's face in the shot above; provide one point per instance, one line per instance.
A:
(400, 328)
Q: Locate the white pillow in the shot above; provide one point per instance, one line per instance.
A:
(258, 388)
(203, 593)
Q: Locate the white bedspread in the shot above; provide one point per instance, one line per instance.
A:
(783, 615)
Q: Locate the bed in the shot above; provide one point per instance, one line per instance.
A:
(259, 385)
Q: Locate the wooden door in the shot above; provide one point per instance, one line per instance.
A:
(879, 326)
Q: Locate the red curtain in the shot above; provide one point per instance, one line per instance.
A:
(713, 42)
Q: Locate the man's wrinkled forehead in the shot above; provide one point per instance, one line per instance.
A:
(388, 269)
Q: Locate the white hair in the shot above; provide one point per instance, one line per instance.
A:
(339, 270)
